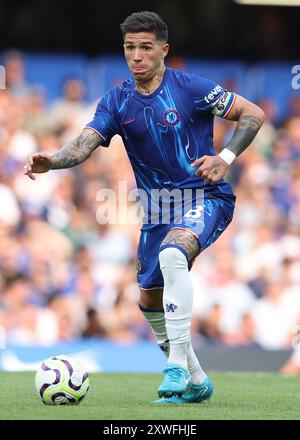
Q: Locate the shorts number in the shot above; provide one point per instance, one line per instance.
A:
(194, 213)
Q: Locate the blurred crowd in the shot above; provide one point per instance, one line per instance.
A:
(65, 275)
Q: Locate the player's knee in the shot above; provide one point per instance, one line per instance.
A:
(172, 258)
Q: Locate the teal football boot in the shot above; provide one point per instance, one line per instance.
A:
(176, 381)
(196, 393)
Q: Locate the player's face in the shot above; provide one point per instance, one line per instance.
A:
(144, 54)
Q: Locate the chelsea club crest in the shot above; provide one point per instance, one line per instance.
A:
(172, 117)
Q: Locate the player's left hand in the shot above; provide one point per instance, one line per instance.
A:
(211, 169)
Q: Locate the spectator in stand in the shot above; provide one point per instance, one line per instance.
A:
(15, 72)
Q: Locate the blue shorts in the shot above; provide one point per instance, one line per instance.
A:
(206, 220)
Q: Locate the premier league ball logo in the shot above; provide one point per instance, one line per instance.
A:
(172, 117)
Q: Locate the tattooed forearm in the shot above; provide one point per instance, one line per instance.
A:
(76, 151)
(246, 130)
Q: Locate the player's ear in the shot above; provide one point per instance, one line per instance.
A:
(165, 50)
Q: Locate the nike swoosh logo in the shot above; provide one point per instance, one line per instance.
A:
(204, 391)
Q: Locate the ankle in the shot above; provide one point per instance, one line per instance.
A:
(178, 354)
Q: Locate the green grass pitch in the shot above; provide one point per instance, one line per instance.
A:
(238, 396)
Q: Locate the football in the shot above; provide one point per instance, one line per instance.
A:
(61, 380)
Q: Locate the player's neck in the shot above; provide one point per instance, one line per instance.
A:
(150, 86)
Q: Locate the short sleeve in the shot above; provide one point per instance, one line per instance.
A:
(105, 122)
(212, 97)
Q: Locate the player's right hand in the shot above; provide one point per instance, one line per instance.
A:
(37, 163)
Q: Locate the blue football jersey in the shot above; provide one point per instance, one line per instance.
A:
(166, 131)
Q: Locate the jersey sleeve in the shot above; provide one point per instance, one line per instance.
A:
(212, 98)
(105, 122)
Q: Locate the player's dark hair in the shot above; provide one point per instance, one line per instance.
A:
(145, 21)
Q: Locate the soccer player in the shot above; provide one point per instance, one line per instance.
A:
(165, 118)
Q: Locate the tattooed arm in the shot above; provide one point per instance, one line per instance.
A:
(250, 118)
(68, 156)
